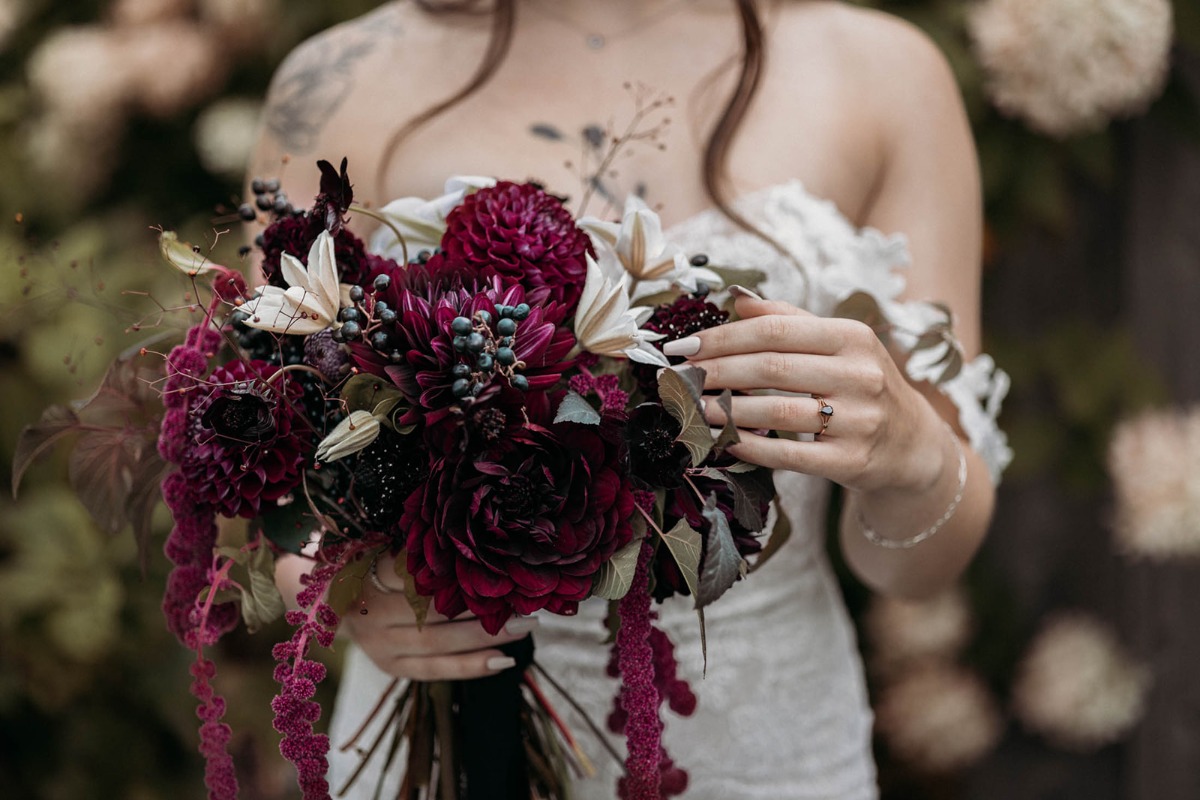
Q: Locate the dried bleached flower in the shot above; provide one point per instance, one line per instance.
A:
(1069, 66)
(1154, 460)
(1077, 686)
(312, 300)
(939, 717)
(607, 326)
(351, 435)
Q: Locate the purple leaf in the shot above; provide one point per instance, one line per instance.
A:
(722, 564)
(35, 439)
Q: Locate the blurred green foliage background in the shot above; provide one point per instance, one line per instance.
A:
(93, 690)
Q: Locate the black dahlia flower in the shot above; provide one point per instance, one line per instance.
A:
(521, 527)
(520, 231)
(655, 458)
(248, 442)
(457, 339)
(385, 473)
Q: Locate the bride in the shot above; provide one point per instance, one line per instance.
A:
(800, 132)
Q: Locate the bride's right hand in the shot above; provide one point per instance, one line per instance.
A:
(441, 649)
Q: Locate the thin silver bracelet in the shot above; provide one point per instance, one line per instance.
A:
(912, 541)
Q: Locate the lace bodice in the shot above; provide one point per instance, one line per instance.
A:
(782, 711)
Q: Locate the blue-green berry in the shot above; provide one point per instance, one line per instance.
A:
(356, 294)
(506, 356)
(521, 311)
(351, 330)
(475, 342)
(461, 371)
(461, 387)
(520, 382)
(461, 326)
(506, 327)
(460, 344)
(485, 361)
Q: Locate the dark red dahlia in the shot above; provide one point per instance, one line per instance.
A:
(460, 340)
(525, 234)
(247, 440)
(678, 320)
(521, 527)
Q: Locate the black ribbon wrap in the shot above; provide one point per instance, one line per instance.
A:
(492, 744)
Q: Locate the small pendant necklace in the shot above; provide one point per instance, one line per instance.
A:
(595, 40)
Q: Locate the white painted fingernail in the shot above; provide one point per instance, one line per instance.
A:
(521, 625)
(497, 663)
(682, 347)
(742, 291)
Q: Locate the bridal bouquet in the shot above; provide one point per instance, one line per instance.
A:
(490, 405)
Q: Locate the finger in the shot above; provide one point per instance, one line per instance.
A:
(823, 457)
(784, 332)
(456, 636)
(780, 413)
(458, 667)
(789, 372)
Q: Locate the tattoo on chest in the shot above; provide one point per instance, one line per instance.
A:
(315, 81)
(599, 145)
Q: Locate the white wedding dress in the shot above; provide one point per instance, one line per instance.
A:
(783, 709)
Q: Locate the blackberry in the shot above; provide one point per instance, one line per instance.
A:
(385, 474)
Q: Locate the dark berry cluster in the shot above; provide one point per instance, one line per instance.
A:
(488, 349)
(370, 317)
(269, 197)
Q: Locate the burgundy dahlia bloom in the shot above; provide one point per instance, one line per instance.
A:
(521, 527)
(248, 441)
(525, 234)
(420, 355)
(678, 320)
(296, 234)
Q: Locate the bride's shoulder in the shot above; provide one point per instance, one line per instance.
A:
(876, 52)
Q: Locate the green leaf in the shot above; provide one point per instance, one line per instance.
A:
(723, 564)
(575, 408)
(616, 575)
(346, 586)
(865, 308)
(289, 527)
(365, 392)
(418, 602)
(684, 545)
(729, 433)
(750, 278)
(741, 466)
(658, 298)
(261, 601)
(680, 391)
(36, 439)
(780, 533)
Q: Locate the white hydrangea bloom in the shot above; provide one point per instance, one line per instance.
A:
(904, 631)
(938, 717)
(1077, 686)
(225, 133)
(1068, 66)
(1154, 460)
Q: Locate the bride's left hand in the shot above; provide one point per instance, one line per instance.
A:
(882, 435)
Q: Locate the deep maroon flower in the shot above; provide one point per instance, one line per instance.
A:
(296, 234)
(687, 315)
(248, 441)
(520, 527)
(418, 350)
(525, 234)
